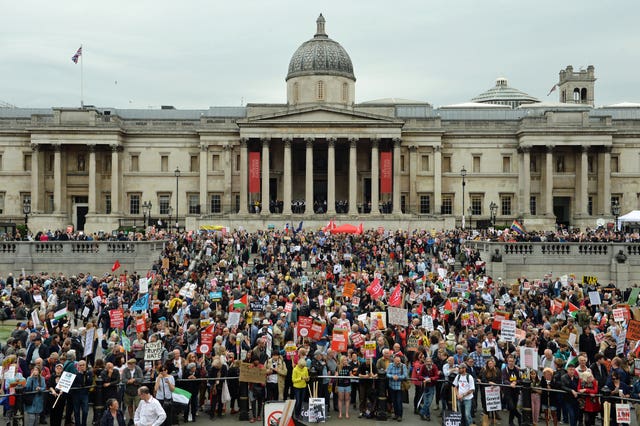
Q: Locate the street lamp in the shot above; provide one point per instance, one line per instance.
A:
(615, 209)
(177, 174)
(26, 210)
(170, 211)
(463, 173)
(146, 211)
(493, 207)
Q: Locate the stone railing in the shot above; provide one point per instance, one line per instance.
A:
(617, 262)
(72, 257)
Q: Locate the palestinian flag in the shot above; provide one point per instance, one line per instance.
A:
(60, 314)
(180, 396)
(448, 307)
(241, 303)
(573, 309)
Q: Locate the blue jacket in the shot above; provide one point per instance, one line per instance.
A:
(38, 401)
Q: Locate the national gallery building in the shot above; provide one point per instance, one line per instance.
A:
(501, 156)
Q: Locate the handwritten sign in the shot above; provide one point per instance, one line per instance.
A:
(508, 330)
(153, 351)
(492, 398)
(251, 374)
(65, 382)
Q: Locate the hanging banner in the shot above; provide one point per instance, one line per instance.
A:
(386, 172)
(254, 172)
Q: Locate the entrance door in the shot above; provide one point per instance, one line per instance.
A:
(319, 195)
(562, 210)
(366, 195)
(81, 216)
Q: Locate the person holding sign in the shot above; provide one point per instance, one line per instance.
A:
(56, 412)
(80, 394)
(35, 383)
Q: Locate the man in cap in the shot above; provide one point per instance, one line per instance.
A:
(131, 379)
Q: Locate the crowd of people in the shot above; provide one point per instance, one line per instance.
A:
(361, 321)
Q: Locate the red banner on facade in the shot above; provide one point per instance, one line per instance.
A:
(386, 172)
(254, 172)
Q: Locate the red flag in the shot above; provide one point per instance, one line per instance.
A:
(100, 292)
(375, 289)
(556, 307)
(448, 307)
(116, 266)
(419, 310)
(572, 307)
(395, 299)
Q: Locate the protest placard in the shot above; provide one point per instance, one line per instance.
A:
(317, 409)
(528, 358)
(117, 318)
(508, 330)
(143, 285)
(349, 289)
(589, 280)
(233, 320)
(618, 314)
(594, 298)
(357, 340)
(492, 398)
(398, 316)
(65, 382)
(339, 342)
(251, 374)
(427, 322)
(633, 330)
(623, 413)
(370, 349)
(153, 351)
(88, 341)
(452, 418)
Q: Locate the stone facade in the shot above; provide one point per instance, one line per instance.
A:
(321, 157)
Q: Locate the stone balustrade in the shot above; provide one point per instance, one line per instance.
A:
(73, 257)
(609, 261)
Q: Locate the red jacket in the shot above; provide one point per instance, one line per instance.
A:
(592, 403)
(433, 374)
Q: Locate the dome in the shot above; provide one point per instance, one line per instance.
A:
(321, 56)
(502, 94)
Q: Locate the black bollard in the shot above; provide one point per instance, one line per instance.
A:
(381, 391)
(243, 401)
(98, 403)
(18, 411)
(527, 419)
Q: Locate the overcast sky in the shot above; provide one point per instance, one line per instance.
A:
(196, 54)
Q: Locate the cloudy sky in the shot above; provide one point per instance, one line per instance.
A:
(196, 54)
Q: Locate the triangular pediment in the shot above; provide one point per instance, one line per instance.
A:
(320, 114)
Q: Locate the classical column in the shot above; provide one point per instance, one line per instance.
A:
(375, 176)
(115, 179)
(226, 195)
(35, 179)
(265, 177)
(582, 192)
(604, 182)
(57, 179)
(353, 176)
(548, 181)
(437, 179)
(204, 174)
(286, 209)
(413, 166)
(525, 181)
(308, 189)
(396, 176)
(331, 176)
(244, 195)
(93, 183)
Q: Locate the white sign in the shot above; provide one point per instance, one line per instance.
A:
(66, 380)
(528, 358)
(144, 285)
(492, 398)
(623, 413)
(85, 312)
(508, 330)
(594, 298)
(88, 341)
(427, 322)
(35, 318)
(153, 351)
(317, 410)
(37, 298)
(398, 316)
(234, 319)
(620, 342)
(362, 318)
(618, 314)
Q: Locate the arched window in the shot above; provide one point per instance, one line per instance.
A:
(583, 94)
(576, 95)
(320, 90)
(345, 92)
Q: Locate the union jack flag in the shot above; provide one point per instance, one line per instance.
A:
(75, 57)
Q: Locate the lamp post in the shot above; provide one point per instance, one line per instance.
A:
(463, 173)
(146, 212)
(177, 174)
(26, 210)
(493, 207)
(170, 211)
(615, 209)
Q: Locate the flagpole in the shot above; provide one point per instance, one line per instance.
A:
(81, 79)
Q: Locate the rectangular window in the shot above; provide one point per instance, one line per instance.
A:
(505, 205)
(616, 199)
(194, 164)
(106, 165)
(164, 201)
(476, 164)
(81, 165)
(424, 163)
(506, 164)
(135, 163)
(446, 164)
(590, 206)
(50, 204)
(0, 161)
(215, 162)
(402, 166)
(215, 203)
(614, 164)
(403, 203)
(194, 203)
(51, 158)
(164, 163)
(236, 197)
(533, 163)
(425, 204)
(476, 204)
(134, 203)
(447, 204)
(238, 163)
(591, 164)
(107, 202)
(533, 205)
(1, 202)
(26, 162)
(560, 167)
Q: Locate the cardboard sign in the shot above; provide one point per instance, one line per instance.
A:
(398, 316)
(251, 374)
(633, 331)
(339, 341)
(357, 340)
(65, 382)
(508, 330)
(370, 349)
(492, 398)
(623, 413)
(117, 318)
(594, 298)
(153, 351)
